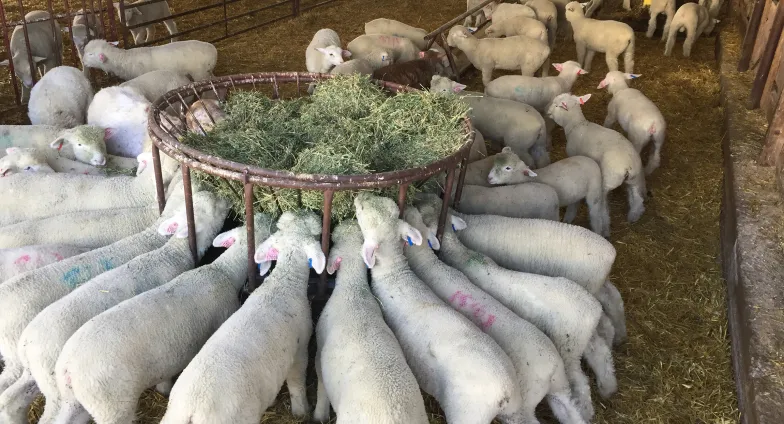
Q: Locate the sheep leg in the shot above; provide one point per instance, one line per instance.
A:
(589, 59)
(655, 157)
(12, 371)
(51, 408)
(150, 33)
(16, 400)
(581, 390)
(171, 26)
(581, 49)
(546, 67)
(598, 214)
(605, 329)
(73, 413)
(571, 212)
(669, 11)
(636, 194)
(600, 360)
(691, 36)
(652, 23)
(627, 4)
(165, 387)
(487, 75)
(612, 61)
(559, 397)
(549, 126)
(540, 155)
(611, 119)
(295, 381)
(139, 35)
(612, 303)
(321, 413)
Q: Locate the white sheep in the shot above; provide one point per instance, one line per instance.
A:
(84, 27)
(324, 51)
(510, 53)
(360, 365)
(24, 296)
(470, 376)
(499, 11)
(574, 179)
(124, 109)
(714, 7)
(609, 37)
(637, 114)
(360, 66)
(476, 172)
(539, 368)
(692, 18)
(657, 7)
(478, 18)
(46, 49)
(119, 339)
(402, 49)
(276, 323)
(194, 58)
(42, 340)
(518, 25)
(398, 29)
(530, 200)
(616, 155)
(135, 15)
(478, 148)
(27, 159)
(18, 260)
(203, 115)
(155, 84)
(559, 307)
(514, 124)
(85, 143)
(60, 98)
(537, 92)
(90, 229)
(546, 13)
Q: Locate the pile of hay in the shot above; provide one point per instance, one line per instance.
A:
(349, 126)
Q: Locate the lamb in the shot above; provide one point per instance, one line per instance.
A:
(360, 66)
(203, 115)
(23, 160)
(546, 13)
(84, 28)
(478, 18)
(135, 15)
(499, 11)
(60, 98)
(85, 143)
(453, 360)
(19, 159)
(537, 92)
(539, 368)
(42, 340)
(402, 48)
(530, 200)
(478, 147)
(414, 73)
(46, 49)
(516, 125)
(89, 229)
(196, 59)
(534, 298)
(125, 110)
(25, 295)
(397, 29)
(657, 7)
(155, 84)
(638, 116)
(476, 172)
(609, 37)
(510, 53)
(360, 365)
(518, 25)
(714, 7)
(273, 351)
(324, 51)
(574, 178)
(692, 18)
(616, 155)
(18, 260)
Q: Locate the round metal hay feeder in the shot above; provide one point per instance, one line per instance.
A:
(164, 131)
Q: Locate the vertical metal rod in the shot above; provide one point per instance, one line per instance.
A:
(32, 64)
(124, 25)
(326, 223)
(225, 19)
(7, 43)
(112, 26)
(251, 233)
(295, 7)
(100, 15)
(766, 60)
(751, 36)
(186, 185)
(450, 178)
(461, 181)
(449, 56)
(156, 162)
(401, 198)
(54, 30)
(69, 22)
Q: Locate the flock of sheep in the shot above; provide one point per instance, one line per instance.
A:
(100, 302)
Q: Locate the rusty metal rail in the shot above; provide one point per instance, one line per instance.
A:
(189, 158)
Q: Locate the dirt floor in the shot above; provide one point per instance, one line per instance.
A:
(675, 368)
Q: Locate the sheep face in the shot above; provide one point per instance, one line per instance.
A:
(88, 143)
(562, 104)
(93, 53)
(456, 34)
(129, 14)
(348, 241)
(507, 164)
(380, 225)
(617, 78)
(298, 230)
(207, 207)
(443, 85)
(429, 212)
(23, 160)
(568, 67)
(575, 10)
(333, 54)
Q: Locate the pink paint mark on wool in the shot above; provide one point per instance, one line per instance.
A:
(58, 256)
(22, 260)
(480, 315)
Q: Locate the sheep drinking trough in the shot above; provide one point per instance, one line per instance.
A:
(164, 133)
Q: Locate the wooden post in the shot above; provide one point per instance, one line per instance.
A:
(774, 139)
(751, 36)
(767, 59)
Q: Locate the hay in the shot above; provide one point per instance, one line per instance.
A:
(348, 127)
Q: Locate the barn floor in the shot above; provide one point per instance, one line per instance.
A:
(676, 366)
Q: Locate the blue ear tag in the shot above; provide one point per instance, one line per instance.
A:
(410, 243)
(430, 245)
(453, 228)
(310, 263)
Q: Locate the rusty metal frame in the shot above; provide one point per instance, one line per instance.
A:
(191, 159)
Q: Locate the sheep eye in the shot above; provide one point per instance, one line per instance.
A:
(79, 145)
(508, 168)
(28, 168)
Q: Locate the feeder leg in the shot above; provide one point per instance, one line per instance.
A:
(401, 198)
(251, 235)
(156, 163)
(461, 181)
(450, 178)
(186, 185)
(321, 291)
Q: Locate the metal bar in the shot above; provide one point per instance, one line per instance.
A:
(201, 9)
(326, 223)
(100, 16)
(124, 25)
(7, 43)
(225, 19)
(459, 18)
(461, 181)
(295, 7)
(767, 59)
(186, 185)
(156, 162)
(751, 36)
(401, 198)
(449, 56)
(450, 178)
(251, 235)
(54, 30)
(32, 64)
(271, 21)
(145, 3)
(313, 6)
(112, 23)
(169, 36)
(69, 22)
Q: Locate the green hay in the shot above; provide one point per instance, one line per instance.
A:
(349, 126)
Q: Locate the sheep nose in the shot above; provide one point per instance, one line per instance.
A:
(99, 162)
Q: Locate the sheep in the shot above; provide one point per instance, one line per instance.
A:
(714, 7)
(518, 25)
(539, 368)
(534, 298)
(397, 29)
(616, 155)
(125, 110)
(657, 7)
(60, 98)
(546, 13)
(273, 351)
(359, 66)
(516, 125)
(414, 73)
(692, 18)
(324, 51)
(42, 340)
(18, 260)
(90, 229)
(46, 49)
(84, 143)
(510, 53)
(24, 196)
(470, 376)
(135, 15)
(402, 48)
(84, 28)
(203, 115)
(478, 18)
(609, 37)
(574, 178)
(499, 11)
(154, 84)
(360, 365)
(530, 200)
(537, 92)
(476, 172)
(637, 114)
(24, 296)
(196, 59)
(21, 159)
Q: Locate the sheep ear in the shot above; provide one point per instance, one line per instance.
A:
(603, 83)
(458, 87)
(316, 257)
(114, 43)
(58, 144)
(322, 50)
(458, 223)
(333, 265)
(368, 253)
(144, 159)
(432, 241)
(4, 63)
(558, 66)
(11, 150)
(108, 133)
(346, 53)
(528, 173)
(633, 76)
(472, 29)
(506, 149)
(421, 55)
(226, 239)
(266, 251)
(584, 98)
(171, 225)
(38, 59)
(582, 71)
(3, 171)
(410, 234)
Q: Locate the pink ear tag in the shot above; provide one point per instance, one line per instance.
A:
(60, 146)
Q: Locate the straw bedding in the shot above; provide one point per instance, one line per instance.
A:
(676, 367)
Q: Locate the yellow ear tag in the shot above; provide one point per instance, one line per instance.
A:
(646, 2)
